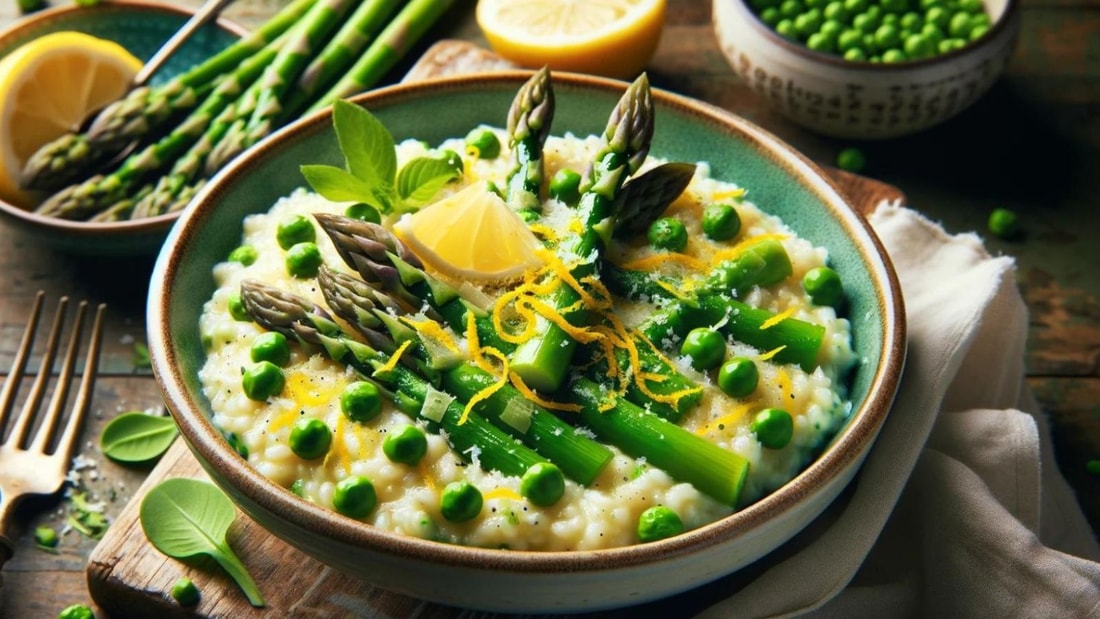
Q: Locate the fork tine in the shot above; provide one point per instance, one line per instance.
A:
(23, 423)
(47, 429)
(84, 395)
(19, 364)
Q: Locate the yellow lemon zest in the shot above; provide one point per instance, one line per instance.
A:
(528, 393)
(502, 493)
(778, 318)
(432, 329)
(491, 389)
(395, 358)
(724, 420)
(771, 353)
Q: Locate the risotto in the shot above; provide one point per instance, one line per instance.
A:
(605, 511)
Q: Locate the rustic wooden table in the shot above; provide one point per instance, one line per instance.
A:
(1032, 144)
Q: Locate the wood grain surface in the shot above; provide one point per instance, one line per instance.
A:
(1032, 144)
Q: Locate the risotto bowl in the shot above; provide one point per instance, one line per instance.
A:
(778, 178)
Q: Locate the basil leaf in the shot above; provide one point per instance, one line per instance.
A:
(339, 185)
(137, 437)
(367, 145)
(421, 178)
(187, 517)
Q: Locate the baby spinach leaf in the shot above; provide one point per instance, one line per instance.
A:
(187, 517)
(137, 437)
(370, 174)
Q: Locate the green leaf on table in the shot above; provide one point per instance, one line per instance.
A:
(186, 517)
(137, 437)
(370, 174)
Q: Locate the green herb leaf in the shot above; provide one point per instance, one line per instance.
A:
(367, 145)
(187, 517)
(140, 357)
(339, 185)
(137, 437)
(421, 178)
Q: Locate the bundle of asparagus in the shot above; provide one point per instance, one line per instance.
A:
(310, 54)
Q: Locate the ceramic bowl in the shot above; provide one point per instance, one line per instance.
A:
(509, 580)
(863, 100)
(140, 27)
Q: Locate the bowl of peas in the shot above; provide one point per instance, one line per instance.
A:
(868, 69)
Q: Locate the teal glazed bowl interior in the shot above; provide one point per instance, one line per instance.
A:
(140, 27)
(778, 179)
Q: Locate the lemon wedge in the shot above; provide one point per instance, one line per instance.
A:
(47, 87)
(471, 236)
(614, 38)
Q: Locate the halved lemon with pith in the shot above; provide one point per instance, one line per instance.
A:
(471, 235)
(615, 38)
(47, 87)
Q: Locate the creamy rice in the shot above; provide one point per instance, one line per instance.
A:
(601, 515)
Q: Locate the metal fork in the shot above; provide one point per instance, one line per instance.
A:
(33, 462)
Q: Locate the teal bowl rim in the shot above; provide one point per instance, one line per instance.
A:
(230, 470)
(88, 230)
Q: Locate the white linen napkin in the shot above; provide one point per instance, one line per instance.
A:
(959, 509)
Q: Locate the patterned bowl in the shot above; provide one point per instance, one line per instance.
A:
(141, 27)
(863, 100)
(520, 581)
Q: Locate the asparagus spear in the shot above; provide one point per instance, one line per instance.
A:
(98, 193)
(543, 360)
(307, 36)
(75, 156)
(528, 126)
(309, 324)
(383, 53)
(358, 30)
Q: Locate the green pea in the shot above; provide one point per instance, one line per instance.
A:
(297, 229)
(836, 10)
(980, 19)
(855, 55)
(405, 445)
(361, 401)
(816, 4)
(927, 4)
(262, 380)
(1003, 223)
(185, 592)
(310, 438)
(824, 286)
(849, 39)
(832, 29)
(46, 537)
(887, 36)
(659, 522)
(237, 445)
(970, 6)
(354, 497)
(453, 159)
(912, 21)
(851, 160)
(1092, 467)
(894, 6)
(891, 19)
(977, 32)
(791, 8)
(270, 346)
(771, 16)
(482, 143)
(565, 186)
(303, 260)
(705, 347)
(918, 46)
(245, 254)
(867, 22)
(738, 377)
(363, 212)
(298, 487)
(721, 222)
(460, 501)
(938, 16)
(949, 45)
(773, 427)
(894, 55)
(855, 7)
(807, 23)
(785, 28)
(668, 233)
(76, 611)
(543, 484)
(820, 43)
(933, 33)
(959, 26)
(236, 308)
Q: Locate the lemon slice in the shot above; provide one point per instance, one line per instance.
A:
(471, 235)
(615, 38)
(47, 87)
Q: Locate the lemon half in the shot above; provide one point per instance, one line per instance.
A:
(47, 87)
(614, 38)
(470, 236)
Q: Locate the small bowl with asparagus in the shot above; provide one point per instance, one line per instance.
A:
(527, 334)
(115, 183)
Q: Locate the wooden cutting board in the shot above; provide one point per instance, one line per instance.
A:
(127, 577)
